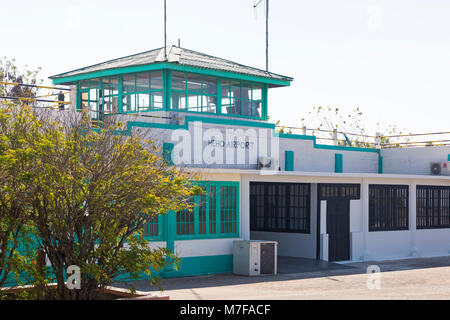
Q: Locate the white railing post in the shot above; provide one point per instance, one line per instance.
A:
(378, 140)
(335, 138)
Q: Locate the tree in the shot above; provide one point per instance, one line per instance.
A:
(18, 139)
(93, 191)
(10, 72)
(329, 119)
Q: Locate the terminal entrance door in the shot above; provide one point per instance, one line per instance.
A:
(337, 215)
(338, 229)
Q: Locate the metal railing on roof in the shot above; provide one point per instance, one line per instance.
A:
(377, 141)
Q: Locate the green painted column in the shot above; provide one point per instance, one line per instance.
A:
(338, 163)
(219, 97)
(167, 84)
(170, 225)
(120, 96)
(265, 102)
(380, 164)
(289, 160)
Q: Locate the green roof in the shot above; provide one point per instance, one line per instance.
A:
(176, 56)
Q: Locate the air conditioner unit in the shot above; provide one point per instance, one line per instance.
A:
(254, 257)
(439, 168)
(266, 163)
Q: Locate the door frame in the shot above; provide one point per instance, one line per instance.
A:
(355, 195)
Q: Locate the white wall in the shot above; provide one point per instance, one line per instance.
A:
(356, 229)
(388, 245)
(309, 158)
(290, 244)
(432, 242)
(380, 245)
(204, 247)
(413, 160)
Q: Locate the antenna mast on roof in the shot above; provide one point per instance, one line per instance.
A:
(256, 4)
(165, 33)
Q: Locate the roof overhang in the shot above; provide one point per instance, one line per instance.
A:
(61, 79)
(310, 174)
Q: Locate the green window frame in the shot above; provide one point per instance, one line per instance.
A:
(153, 229)
(198, 93)
(89, 97)
(215, 214)
(193, 93)
(242, 99)
(128, 93)
(142, 92)
(232, 97)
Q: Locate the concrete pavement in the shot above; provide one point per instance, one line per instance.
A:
(420, 278)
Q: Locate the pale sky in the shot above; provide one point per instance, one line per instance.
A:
(389, 57)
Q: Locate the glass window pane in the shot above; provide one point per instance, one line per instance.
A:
(93, 108)
(226, 92)
(194, 83)
(94, 83)
(209, 103)
(235, 89)
(156, 80)
(84, 84)
(178, 81)
(84, 100)
(129, 103)
(256, 108)
(225, 105)
(107, 104)
(157, 100)
(233, 106)
(105, 84)
(115, 105)
(194, 102)
(178, 100)
(143, 101)
(114, 86)
(128, 84)
(257, 93)
(246, 92)
(142, 82)
(209, 85)
(237, 106)
(93, 95)
(246, 107)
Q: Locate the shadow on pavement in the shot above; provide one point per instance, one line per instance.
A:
(290, 268)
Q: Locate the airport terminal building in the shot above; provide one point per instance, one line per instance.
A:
(318, 201)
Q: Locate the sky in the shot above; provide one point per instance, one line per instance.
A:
(390, 58)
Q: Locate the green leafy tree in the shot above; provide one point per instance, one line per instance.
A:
(10, 72)
(18, 139)
(329, 119)
(94, 190)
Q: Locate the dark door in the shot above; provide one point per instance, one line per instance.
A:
(338, 229)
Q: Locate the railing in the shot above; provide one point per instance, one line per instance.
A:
(331, 137)
(36, 100)
(377, 141)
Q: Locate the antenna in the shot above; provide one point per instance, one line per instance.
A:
(255, 5)
(165, 33)
(255, 11)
